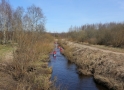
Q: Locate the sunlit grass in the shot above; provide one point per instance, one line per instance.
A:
(4, 49)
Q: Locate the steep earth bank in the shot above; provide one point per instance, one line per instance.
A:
(107, 67)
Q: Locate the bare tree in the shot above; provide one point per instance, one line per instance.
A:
(17, 16)
(27, 23)
(17, 22)
(36, 16)
(5, 18)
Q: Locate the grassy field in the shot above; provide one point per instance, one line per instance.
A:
(4, 50)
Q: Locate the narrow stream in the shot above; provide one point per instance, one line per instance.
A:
(67, 77)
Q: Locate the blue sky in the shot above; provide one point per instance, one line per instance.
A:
(61, 14)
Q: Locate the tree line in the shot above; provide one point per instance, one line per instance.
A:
(13, 21)
(110, 34)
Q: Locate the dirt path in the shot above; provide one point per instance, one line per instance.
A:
(94, 48)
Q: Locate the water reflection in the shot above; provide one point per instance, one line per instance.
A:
(67, 76)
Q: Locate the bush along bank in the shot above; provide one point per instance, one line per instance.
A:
(107, 68)
(29, 69)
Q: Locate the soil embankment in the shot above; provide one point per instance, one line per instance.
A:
(107, 67)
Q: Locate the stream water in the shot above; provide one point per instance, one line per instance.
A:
(67, 77)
